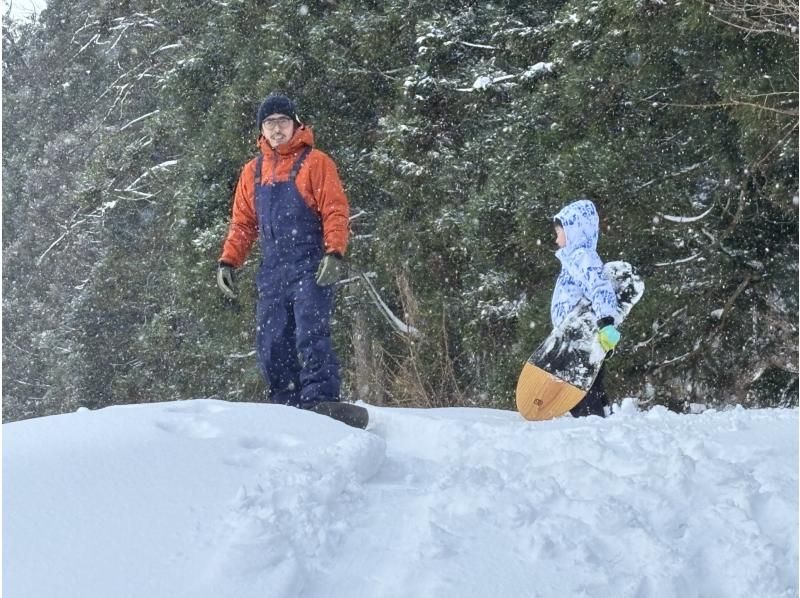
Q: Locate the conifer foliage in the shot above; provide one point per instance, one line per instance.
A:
(459, 130)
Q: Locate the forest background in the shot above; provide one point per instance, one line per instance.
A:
(459, 129)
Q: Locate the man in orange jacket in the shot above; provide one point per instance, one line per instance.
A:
(291, 198)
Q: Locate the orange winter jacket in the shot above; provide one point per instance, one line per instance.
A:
(317, 181)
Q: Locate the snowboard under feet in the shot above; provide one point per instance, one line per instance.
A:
(347, 413)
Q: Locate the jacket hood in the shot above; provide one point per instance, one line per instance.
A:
(581, 224)
(303, 136)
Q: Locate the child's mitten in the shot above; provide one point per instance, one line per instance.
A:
(609, 337)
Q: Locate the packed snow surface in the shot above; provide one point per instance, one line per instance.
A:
(213, 499)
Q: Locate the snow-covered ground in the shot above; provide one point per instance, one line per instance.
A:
(213, 499)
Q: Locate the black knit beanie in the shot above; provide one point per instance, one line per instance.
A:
(276, 104)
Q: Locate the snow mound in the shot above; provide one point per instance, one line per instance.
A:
(214, 499)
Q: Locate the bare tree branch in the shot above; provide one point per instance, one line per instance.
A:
(757, 16)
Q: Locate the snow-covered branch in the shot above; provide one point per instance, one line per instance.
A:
(136, 120)
(157, 167)
(481, 46)
(680, 261)
(686, 219)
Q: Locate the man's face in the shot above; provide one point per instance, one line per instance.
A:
(277, 129)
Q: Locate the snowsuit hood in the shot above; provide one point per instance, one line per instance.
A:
(581, 268)
(581, 225)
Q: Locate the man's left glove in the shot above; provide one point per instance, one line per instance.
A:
(330, 270)
(609, 337)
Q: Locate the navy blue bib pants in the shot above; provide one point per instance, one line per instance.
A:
(293, 340)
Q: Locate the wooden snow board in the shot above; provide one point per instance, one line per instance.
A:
(563, 368)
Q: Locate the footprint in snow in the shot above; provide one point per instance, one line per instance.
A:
(194, 427)
(255, 448)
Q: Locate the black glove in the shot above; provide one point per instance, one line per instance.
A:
(225, 280)
(330, 270)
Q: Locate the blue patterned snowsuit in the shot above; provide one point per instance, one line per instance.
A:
(582, 276)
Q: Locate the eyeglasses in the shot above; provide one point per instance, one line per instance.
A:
(280, 121)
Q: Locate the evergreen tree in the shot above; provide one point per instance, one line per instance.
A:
(459, 130)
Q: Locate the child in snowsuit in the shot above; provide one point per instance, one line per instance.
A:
(577, 228)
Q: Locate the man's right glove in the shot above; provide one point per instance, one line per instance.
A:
(609, 337)
(330, 270)
(225, 280)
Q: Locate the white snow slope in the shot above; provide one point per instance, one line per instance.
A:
(212, 499)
